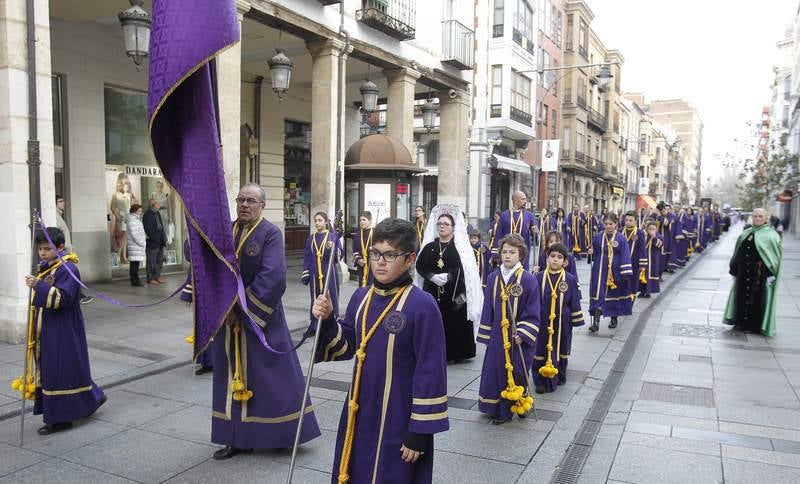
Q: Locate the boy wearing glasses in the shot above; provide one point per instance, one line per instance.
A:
(398, 396)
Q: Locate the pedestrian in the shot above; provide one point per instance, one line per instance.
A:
(398, 395)
(65, 391)
(554, 238)
(576, 242)
(755, 266)
(680, 239)
(420, 222)
(509, 327)
(137, 241)
(635, 238)
(704, 230)
(156, 242)
(609, 289)
(690, 227)
(443, 269)
(542, 228)
(204, 359)
(257, 392)
(362, 241)
(516, 220)
(321, 245)
(664, 220)
(650, 265)
(560, 311)
(61, 224)
(558, 222)
(482, 256)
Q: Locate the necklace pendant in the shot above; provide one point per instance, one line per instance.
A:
(440, 264)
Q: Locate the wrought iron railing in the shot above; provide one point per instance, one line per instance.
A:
(458, 44)
(597, 119)
(581, 101)
(565, 153)
(395, 18)
(496, 110)
(521, 116)
(579, 156)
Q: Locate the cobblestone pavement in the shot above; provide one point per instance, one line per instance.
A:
(672, 395)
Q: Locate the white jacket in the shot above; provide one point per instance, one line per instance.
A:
(136, 238)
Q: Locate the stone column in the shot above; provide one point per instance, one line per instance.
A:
(229, 91)
(453, 148)
(400, 105)
(325, 56)
(15, 239)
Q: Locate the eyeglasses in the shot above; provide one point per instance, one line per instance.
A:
(444, 224)
(247, 201)
(389, 256)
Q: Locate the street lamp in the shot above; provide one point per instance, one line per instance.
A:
(604, 77)
(369, 96)
(280, 72)
(135, 23)
(429, 115)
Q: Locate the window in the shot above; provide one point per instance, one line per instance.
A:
(554, 123)
(583, 39)
(559, 28)
(545, 110)
(497, 90)
(127, 138)
(580, 137)
(499, 11)
(565, 141)
(523, 24)
(554, 80)
(520, 92)
(541, 66)
(570, 32)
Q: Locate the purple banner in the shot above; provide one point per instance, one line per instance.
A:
(186, 35)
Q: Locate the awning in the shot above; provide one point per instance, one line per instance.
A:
(645, 201)
(509, 164)
(430, 171)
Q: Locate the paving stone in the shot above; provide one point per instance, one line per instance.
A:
(134, 409)
(141, 456)
(328, 413)
(648, 428)
(518, 447)
(258, 467)
(635, 463)
(451, 467)
(673, 420)
(748, 472)
(317, 454)
(177, 385)
(760, 431)
(14, 458)
(192, 423)
(83, 432)
(672, 443)
(668, 408)
(62, 472)
(722, 437)
(749, 412)
(762, 456)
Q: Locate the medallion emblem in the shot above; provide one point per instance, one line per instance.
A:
(252, 249)
(50, 279)
(614, 244)
(482, 249)
(515, 290)
(563, 286)
(329, 244)
(440, 264)
(395, 322)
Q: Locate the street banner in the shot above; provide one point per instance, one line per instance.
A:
(183, 122)
(550, 153)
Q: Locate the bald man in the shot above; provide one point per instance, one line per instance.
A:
(755, 265)
(516, 220)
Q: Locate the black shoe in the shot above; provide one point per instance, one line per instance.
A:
(86, 299)
(497, 421)
(562, 378)
(137, 284)
(613, 323)
(670, 271)
(228, 451)
(53, 428)
(203, 370)
(645, 295)
(540, 389)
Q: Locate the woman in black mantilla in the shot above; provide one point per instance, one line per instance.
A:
(440, 266)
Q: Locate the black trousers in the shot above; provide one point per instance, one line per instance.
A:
(134, 272)
(155, 261)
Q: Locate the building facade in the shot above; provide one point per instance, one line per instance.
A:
(92, 126)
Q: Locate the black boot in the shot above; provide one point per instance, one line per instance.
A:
(229, 451)
(613, 323)
(595, 323)
(53, 428)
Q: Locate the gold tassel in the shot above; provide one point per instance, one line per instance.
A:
(520, 403)
(238, 389)
(610, 279)
(642, 276)
(548, 370)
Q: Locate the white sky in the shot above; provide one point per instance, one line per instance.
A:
(716, 54)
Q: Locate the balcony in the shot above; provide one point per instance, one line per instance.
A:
(568, 95)
(523, 41)
(633, 156)
(623, 143)
(582, 102)
(579, 156)
(594, 165)
(597, 120)
(521, 116)
(395, 18)
(582, 52)
(496, 110)
(565, 154)
(457, 45)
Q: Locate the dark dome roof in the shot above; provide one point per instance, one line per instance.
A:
(379, 152)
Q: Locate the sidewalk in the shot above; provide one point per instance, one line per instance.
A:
(690, 402)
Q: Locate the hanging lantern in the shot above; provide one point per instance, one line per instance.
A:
(429, 113)
(369, 96)
(280, 71)
(136, 31)
(604, 76)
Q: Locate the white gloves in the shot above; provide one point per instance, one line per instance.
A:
(771, 280)
(440, 279)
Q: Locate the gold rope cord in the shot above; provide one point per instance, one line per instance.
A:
(320, 250)
(520, 403)
(548, 370)
(610, 279)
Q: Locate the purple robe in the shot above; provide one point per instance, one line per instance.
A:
(611, 302)
(403, 385)
(560, 225)
(667, 242)
(571, 268)
(312, 268)
(651, 262)
(635, 238)
(65, 390)
(568, 314)
(269, 419)
(482, 258)
(681, 241)
(705, 228)
(204, 359)
(690, 226)
(521, 310)
(576, 233)
(523, 225)
(360, 252)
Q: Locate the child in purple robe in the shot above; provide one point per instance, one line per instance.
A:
(362, 240)
(558, 222)
(321, 246)
(553, 238)
(398, 396)
(560, 311)
(509, 328)
(576, 242)
(64, 390)
(482, 255)
(650, 282)
(609, 287)
(634, 236)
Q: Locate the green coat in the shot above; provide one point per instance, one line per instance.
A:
(768, 245)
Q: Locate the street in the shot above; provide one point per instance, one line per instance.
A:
(672, 395)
